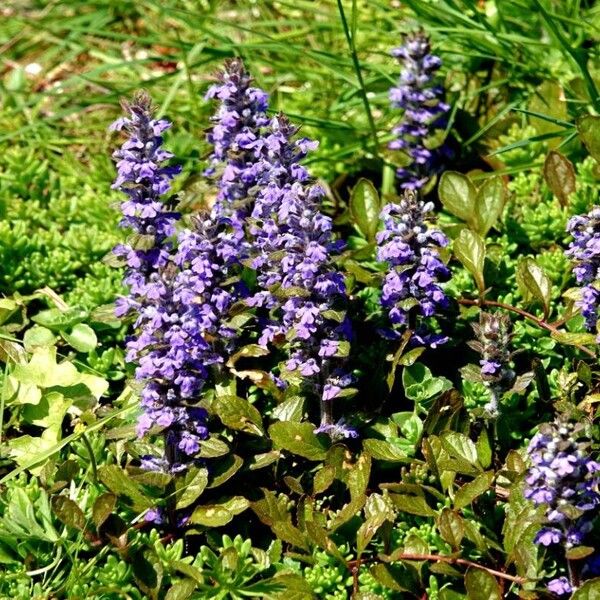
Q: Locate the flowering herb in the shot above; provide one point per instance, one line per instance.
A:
(493, 343)
(235, 137)
(585, 251)
(421, 99)
(169, 380)
(564, 478)
(297, 280)
(411, 249)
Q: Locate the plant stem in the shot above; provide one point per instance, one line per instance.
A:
(539, 322)
(452, 560)
(361, 82)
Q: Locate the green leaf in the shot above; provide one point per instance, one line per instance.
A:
(579, 552)
(574, 339)
(38, 336)
(211, 515)
(420, 385)
(239, 414)
(118, 482)
(491, 197)
(560, 176)
(68, 512)
(213, 448)
(460, 446)
(324, 477)
(481, 585)
(384, 450)
(469, 249)
(451, 527)
(589, 132)
(365, 207)
(82, 337)
(103, 508)
(181, 590)
(458, 195)
(221, 513)
(533, 283)
(225, 470)
(367, 530)
(59, 320)
(291, 409)
(298, 438)
(192, 486)
(468, 492)
(414, 505)
(384, 575)
(590, 590)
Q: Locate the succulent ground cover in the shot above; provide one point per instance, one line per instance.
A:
(299, 300)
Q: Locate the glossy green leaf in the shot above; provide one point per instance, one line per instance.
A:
(468, 492)
(103, 508)
(590, 590)
(589, 132)
(237, 413)
(68, 512)
(533, 283)
(559, 174)
(118, 482)
(481, 585)
(192, 486)
(491, 197)
(81, 337)
(181, 590)
(451, 527)
(469, 249)
(365, 207)
(414, 505)
(298, 438)
(458, 195)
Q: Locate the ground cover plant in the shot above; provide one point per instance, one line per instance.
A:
(299, 299)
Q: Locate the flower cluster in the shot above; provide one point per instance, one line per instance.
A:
(493, 343)
(168, 378)
(411, 248)
(292, 254)
(564, 478)
(585, 251)
(424, 111)
(235, 136)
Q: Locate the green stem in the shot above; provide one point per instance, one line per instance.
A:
(88, 446)
(356, 63)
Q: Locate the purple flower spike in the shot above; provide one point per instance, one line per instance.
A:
(236, 137)
(584, 250)
(565, 479)
(493, 343)
(411, 249)
(421, 99)
(161, 344)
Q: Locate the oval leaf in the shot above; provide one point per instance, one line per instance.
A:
(365, 207)
(458, 195)
(560, 176)
(469, 249)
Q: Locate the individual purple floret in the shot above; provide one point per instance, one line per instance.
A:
(421, 99)
(560, 586)
(411, 249)
(144, 176)
(564, 478)
(292, 249)
(585, 251)
(493, 343)
(158, 347)
(235, 137)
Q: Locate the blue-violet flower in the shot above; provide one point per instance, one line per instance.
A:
(421, 99)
